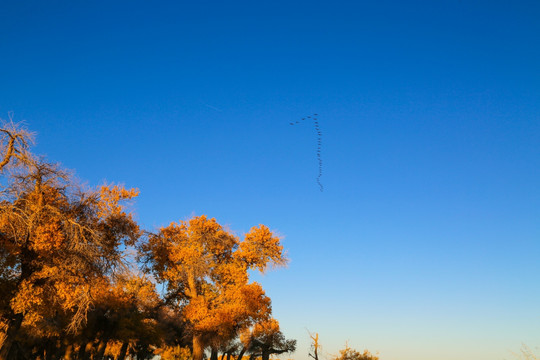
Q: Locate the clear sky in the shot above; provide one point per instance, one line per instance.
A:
(425, 243)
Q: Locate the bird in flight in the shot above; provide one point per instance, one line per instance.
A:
(319, 145)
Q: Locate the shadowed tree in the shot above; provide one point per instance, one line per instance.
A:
(267, 339)
(122, 319)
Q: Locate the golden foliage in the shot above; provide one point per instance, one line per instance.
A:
(205, 269)
(63, 277)
(57, 242)
(48, 237)
(111, 198)
(351, 354)
(261, 248)
(175, 353)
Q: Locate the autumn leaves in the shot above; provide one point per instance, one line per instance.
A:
(205, 269)
(67, 289)
(59, 245)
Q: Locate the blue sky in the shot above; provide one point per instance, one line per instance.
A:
(425, 242)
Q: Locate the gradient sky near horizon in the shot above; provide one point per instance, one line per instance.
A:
(425, 243)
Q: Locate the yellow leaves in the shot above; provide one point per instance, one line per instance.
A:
(61, 250)
(115, 223)
(175, 353)
(140, 290)
(198, 239)
(231, 308)
(29, 300)
(70, 292)
(261, 248)
(111, 197)
(47, 294)
(190, 249)
(197, 312)
(268, 338)
(113, 349)
(255, 300)
(352, 354)
(28, 297)
(206, 268)
(48, 237)
(266, 328)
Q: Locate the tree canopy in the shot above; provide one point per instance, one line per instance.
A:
(205, 269)
(69, 292)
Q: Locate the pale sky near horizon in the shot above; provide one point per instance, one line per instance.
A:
(424, 244)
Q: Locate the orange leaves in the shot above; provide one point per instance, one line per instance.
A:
(267, 338)
(175, 353)
(189, 250)
(261, 248)
(255, 301)
(69, 292)
(111, 197)
(58, 240)
(62, 253)
(352, 354)
(197, 241)
(115, 223)
(28, 297)
(205, 269)
(48, 237)
(197, 311)
(229, 309)
(266, 328)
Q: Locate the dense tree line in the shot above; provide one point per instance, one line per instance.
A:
(69, 292)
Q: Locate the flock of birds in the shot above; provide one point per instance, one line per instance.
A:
(319, 143)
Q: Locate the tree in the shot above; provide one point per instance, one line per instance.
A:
(205, 269)
(525, 353)
(315, 346)
(123, 318)
(267, 339)
(351, 354)
(14, 144)
(56, 240)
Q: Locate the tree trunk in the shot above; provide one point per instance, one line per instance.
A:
(265, 355)
(84, 350)
(198, 348)
(101, 349)
(69, 352)
(80, 353)
(55, 350)
(123, 351)
(214, 354)
(48, 353)
(242, 352)
(7, 351)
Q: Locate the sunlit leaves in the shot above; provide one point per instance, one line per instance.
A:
(351, 354)
(205, 269)
(65, 284)
(261, 248)
(57, 242)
